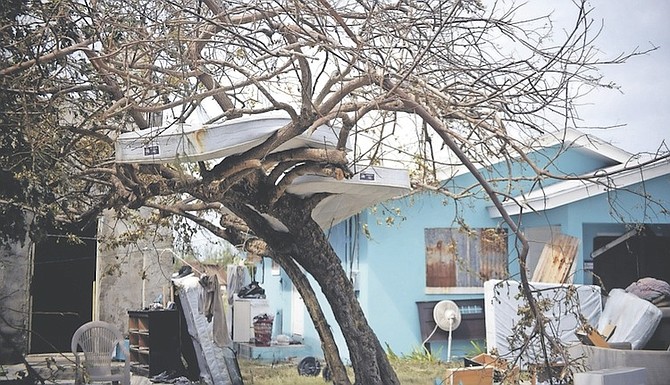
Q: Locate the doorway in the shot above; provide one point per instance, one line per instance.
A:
(62, 287)
(622, 260)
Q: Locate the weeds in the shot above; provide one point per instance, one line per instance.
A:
(476, 349)
(416, 368)
(417, 355)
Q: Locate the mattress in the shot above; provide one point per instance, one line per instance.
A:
(502, 300)
(181, 142)
(635, 318)
(218, 365)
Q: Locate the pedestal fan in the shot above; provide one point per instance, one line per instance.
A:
(447, 317)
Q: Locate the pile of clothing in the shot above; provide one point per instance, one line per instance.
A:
(252, 290)
(651, 289)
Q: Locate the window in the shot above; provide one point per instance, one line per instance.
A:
(460, 260)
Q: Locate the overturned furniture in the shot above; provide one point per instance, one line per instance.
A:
(633, 323)
(213, 347)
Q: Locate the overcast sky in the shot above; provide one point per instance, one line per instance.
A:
(642, 103)
(641, 106)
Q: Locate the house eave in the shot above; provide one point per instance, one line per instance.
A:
(569, 138)
(575, 138)
(566, 192)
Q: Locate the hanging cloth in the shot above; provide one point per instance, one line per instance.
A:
(209, 304)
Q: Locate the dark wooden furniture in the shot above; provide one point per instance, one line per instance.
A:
(154, 338)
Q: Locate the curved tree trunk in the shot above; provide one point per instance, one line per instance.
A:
(233, 233)
(314, 253)
(330, 350)
(306, 242)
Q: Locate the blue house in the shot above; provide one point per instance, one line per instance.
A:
(400, 268)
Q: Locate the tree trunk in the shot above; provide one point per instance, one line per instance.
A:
(330, 350)
(314, 253)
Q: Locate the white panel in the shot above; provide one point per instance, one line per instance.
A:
(297, 313)
(244, 311)
(502, 301)
(615, 376)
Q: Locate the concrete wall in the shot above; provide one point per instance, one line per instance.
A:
(14, 302)
(131, 277)
(128, 278)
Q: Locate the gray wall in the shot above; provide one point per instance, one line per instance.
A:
(125, 273)
(14, 302)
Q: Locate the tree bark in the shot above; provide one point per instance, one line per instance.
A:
(330, 350)
(314, 253)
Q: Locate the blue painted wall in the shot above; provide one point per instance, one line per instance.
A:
(396, 263)
(387, 260)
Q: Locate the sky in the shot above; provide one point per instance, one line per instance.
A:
(639, 110)
(642, 104)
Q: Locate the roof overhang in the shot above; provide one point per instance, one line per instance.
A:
(568, 138)
(572, 138)
(599, 182)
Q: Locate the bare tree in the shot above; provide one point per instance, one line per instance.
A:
(385, 76)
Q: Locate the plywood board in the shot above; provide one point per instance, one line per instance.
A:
(556, 260)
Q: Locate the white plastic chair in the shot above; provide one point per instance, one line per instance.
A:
(98, 340)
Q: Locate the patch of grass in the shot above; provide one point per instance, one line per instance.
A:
(417, 368)
(418, 354)
(257, 373)
(412, 372)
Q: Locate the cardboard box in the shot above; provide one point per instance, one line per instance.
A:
(475, 375)
(590, 336)
(502, 371)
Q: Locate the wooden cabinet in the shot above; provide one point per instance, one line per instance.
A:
(154, 341)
